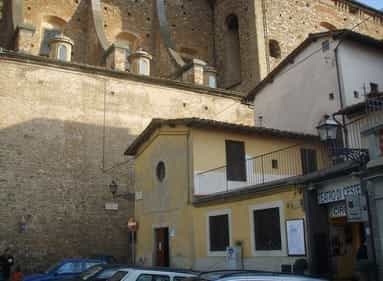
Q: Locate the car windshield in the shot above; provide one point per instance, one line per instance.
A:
(52, 268)
(118, 276)
(90, 272)
(107, 273)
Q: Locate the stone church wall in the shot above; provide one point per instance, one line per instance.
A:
(63, 131)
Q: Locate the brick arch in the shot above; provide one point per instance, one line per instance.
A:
(328, 26)
(129, 38)
(54, 21)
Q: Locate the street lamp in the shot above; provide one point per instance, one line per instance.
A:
(327, 129)
(328, 132)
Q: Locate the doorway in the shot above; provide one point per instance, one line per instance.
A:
(161, 250)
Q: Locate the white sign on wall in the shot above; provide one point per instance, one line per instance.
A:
(296, 244)
(338, 191)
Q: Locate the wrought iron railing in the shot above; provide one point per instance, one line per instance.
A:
(372, 117)
(270, 167)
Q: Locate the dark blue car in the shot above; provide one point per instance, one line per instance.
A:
(65, 269)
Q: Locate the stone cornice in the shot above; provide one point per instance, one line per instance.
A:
(70, 66)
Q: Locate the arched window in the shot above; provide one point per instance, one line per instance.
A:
(274, 49)
(63, 53)
(51, 26)
(328, 26)
(232, 64)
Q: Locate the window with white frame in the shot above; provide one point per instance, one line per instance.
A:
(267, 232)
(218, 224)
(62, 53)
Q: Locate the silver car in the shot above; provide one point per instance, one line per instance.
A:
(251, 276)
(152, 274)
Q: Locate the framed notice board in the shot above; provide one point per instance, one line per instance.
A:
(296, 240)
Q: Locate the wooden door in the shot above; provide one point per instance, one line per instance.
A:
(162, 246)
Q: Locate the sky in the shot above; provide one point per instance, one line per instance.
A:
(377, 4)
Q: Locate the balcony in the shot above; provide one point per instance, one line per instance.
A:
(270, 167)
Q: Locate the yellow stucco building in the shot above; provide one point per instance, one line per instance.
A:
(202, 186)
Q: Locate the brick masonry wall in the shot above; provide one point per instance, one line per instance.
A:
(54, 146)
(244, 10)
(289, 22)
(198, 31)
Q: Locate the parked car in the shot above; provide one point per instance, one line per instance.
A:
(152, 274)
(250, 275)
(107, 258)
(65, 269)
(100, 272)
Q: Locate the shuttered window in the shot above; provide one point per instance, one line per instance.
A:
(267, 230)
(235, 160)
(219, 236)
(309, 160)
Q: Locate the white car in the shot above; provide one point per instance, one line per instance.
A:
(249, 275)
(152, 274)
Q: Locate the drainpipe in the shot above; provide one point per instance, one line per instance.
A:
(338, 74)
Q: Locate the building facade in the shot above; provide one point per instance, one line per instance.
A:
(327, 72)
(203, 186)
(81, 79)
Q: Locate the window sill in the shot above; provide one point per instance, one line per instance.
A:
(216, 254)
(269, 254)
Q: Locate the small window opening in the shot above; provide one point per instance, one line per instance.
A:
(374, 88)
(274, 163)
(274, 49)
(356, 94)
(331, 96)
(232, 22)
(160, 171)
(63, 53)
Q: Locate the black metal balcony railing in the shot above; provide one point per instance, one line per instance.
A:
(266, 168)
(294, 160)
(352, 138)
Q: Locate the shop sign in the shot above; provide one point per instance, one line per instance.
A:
(356, 206)
(337, 210)
(338, 192)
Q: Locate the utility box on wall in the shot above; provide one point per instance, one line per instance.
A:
(234, 258)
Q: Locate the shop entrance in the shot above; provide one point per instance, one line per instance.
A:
(345, 241)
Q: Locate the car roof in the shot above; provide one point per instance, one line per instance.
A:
(163, 269)
(243, 274)
(82, 260)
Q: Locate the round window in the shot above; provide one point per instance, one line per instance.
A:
(160, 171)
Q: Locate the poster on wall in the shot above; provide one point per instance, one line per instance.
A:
(296, 245)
